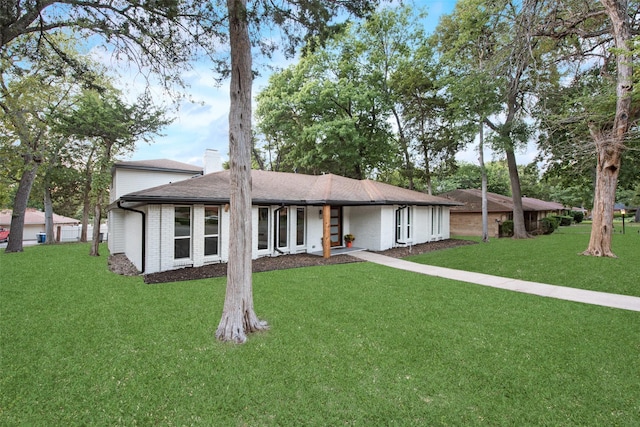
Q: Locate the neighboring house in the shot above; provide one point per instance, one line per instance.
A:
(466, 220)
(186, 223)
(34, 223)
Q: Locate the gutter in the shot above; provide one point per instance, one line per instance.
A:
(144, 232)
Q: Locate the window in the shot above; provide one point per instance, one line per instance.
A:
(436, 220)
(211, 230)
(403, 224)
(282, 227)
(182, 232)
(263, 228)
(300, 226)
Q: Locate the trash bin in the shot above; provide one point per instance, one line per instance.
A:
(42, 237)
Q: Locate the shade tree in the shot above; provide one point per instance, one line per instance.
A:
(595, 113)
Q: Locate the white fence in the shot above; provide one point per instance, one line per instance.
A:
(71, 233)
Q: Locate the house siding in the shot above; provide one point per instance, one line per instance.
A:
(127, 181)
(470, 223)
(373, 226)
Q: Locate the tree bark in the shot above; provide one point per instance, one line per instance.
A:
(483, 169)
(519, 229)
(95, 235)
(48, 215)
(238, 316)
(610, 143)
(607, 171)
(16, 230)
(86, 208)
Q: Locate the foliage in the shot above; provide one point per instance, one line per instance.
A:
(578, 216)
(468, 176)
(322, 115)
(349, 237)
(506, 228)
(332, 112)
(549, 224)
(493, 355)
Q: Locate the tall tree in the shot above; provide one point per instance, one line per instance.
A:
(113, 127)
(160, 37)
(610, 141)
(502, 32)
(338, 113)
(29, 91)
(295, 18)
(597, 104)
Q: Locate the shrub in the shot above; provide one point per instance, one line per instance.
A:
(549, 224)
(506, 228)
(563, 220)
(578, 216)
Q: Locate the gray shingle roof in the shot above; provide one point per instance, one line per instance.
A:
(472, 199)
(286, 188)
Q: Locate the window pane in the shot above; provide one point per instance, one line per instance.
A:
(263, 228)
(300, 227)
(182, 248)
(211, 245)
(210, 221)
(283, 216)
(182, 222)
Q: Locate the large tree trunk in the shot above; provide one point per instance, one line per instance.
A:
(607, 171)
(519, 229)
(16, 230)
(610, 144)
(238, 316)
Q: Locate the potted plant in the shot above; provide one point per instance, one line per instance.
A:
(349, 238)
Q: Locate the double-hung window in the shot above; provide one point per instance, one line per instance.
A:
(211, 230)
(404, 224)
(182, 233)
(300, 214)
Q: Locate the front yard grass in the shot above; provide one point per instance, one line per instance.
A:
(354, 344)
(554, 259)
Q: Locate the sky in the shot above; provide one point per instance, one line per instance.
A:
(203, 123)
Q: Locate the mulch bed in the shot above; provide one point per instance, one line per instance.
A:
(118, 263)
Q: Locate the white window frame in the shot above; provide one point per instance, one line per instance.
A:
(216, 234)
(404, 225)
(268, 237)
(304, 226)
(188, 237)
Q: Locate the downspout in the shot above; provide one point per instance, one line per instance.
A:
(144, 232)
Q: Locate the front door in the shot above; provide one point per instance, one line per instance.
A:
(336, 226)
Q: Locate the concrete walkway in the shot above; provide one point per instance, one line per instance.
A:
(570, 294)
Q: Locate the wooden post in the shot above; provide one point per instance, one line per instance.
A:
(326, 231)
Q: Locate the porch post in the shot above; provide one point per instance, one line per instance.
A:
(326, 231)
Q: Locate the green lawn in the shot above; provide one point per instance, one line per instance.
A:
(354, 344)
(554, 259)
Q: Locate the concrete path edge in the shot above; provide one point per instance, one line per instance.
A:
(624, 302)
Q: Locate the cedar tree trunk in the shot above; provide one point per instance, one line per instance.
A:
(610, 143)
(238, 316)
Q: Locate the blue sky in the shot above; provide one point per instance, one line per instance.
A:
(203, 124)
